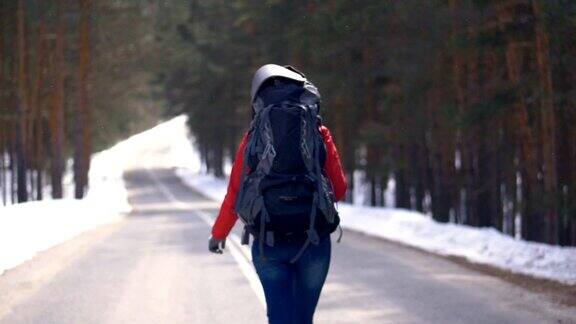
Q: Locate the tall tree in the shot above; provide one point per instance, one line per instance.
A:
(82, 143)
(21, 103)
(56, 120)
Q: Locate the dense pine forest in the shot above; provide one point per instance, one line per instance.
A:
(72, 83)
(467, 107)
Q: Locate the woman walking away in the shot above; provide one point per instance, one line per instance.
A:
(285, 180)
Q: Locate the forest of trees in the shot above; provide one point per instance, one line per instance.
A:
(468, 105)
(71, 83)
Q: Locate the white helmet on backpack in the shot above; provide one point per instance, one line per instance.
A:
(271, 71)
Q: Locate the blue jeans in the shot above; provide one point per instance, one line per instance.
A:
(292, 290)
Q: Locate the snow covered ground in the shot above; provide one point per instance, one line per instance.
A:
(31, 227)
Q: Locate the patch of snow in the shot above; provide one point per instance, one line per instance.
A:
(28, 228)
(479, 245)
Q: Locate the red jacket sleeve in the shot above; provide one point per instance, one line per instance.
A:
(333, 166)
(227, 216)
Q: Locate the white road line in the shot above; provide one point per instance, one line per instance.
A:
(244, 260)
(239, 252)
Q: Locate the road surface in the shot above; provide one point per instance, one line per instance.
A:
(154, 268)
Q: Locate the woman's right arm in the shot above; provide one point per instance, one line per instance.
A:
(227, 216)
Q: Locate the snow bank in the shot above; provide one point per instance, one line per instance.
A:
(479, 245)
(164, 146)
(28, 228)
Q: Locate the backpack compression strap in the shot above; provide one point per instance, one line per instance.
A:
(308, 129)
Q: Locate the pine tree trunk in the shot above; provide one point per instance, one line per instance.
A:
(39, 185)
(83, 126)
(531, 219)
(21, 104)
(459, 91)
(570, 176)
(4, 123)
(36, 121)
(402, 191)
(419, 189)
(548, 127)
(3, 135)
(383, 185)
(56, 122)
(13, 173)
(442, 144)
(373, 186)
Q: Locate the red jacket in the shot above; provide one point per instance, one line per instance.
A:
(227, 216)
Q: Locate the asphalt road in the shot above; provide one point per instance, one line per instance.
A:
(154, 268)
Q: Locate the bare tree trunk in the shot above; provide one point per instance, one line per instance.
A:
(442, 148)
(4, 124)
(36, 125)
(457, 65)
(419, 167)
(470, 145)
(218, 162)
(531, 220)
(56, 122)
(13, 170)
(83, 129)
(372, 190)
(21, 105)
(548, 126)
(402, 199)
(3, 135)
(572, 188)
(566, 154)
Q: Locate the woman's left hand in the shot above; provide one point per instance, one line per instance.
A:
(216, 245)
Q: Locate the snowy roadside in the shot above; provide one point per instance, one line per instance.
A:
(32, 227)
(28, 228)
(478, 245)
